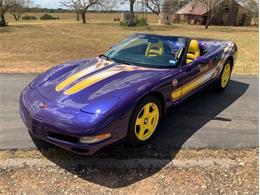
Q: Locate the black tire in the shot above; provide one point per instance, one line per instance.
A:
(41, 144)
(132, 137)
(218, 84)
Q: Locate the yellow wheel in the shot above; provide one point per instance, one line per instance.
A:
(224, 78)
(144, 121)
(147, 121)
(225, 75)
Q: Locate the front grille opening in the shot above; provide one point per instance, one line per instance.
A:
(62, 137)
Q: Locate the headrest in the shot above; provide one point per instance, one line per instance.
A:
(154, 49)
(194, 47)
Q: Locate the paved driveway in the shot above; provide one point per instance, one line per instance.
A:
(207, 120)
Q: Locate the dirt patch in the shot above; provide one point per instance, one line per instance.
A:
(196, 177)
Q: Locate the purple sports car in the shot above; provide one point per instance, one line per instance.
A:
(85, 105)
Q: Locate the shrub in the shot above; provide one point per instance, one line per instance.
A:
(26, 17)
(48, 17)
(123, 23)
(139, 21)
(117, 19)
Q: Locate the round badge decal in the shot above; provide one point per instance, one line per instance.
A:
(175, 82)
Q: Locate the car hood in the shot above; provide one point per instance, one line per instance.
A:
(94, 81)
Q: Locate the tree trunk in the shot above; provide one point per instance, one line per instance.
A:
(2, 14)
(83, 16)
(207, 25)
(3, 21)
(15, 17)
(19, 16)
(208, 21)
(77, 16)
(131, 14)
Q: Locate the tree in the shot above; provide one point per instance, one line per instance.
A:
(17, 8)
(4, 7)
(212, 7)
(81, 6)
(131, 16)
(154, 6)
(131, 21)
(178, 4)
(76, 6)
(252, 5)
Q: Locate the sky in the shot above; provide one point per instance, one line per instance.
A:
(56, 4)
(47, 3)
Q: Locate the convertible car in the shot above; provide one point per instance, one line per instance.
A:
(86, 105)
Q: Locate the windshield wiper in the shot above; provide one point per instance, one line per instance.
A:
(106, 57)
(115, 60)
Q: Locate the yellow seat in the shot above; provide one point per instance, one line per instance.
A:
(154, 49)
(193, 51)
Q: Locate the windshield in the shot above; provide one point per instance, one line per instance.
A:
(148, 50)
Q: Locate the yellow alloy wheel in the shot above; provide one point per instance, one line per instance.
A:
(225, 75)
(147, 121)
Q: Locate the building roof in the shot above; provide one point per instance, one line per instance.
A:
(193, 8)
(198, 8)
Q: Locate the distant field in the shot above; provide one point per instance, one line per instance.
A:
(37, 46)
(91, 17)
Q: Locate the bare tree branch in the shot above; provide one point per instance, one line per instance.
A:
(17, 9)
(154, 6)
(5, 5)
(81, 6)
(212, 7)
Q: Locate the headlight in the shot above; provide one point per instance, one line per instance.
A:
(94, 139)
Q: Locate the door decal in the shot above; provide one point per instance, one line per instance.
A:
(192, 85)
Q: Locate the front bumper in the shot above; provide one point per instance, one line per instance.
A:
(64, 130)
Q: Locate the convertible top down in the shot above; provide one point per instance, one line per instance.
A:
(85, 105)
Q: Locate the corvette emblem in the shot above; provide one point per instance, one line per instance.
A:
(174, 82)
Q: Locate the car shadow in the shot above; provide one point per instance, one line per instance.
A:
(178, 125)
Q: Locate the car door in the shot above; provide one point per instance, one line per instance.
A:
(186, 81)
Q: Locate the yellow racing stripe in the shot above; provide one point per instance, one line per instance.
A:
(195, 83)
(90, 81)
(176, 94)
(94, 78)
(74, 77)
(80, 74)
